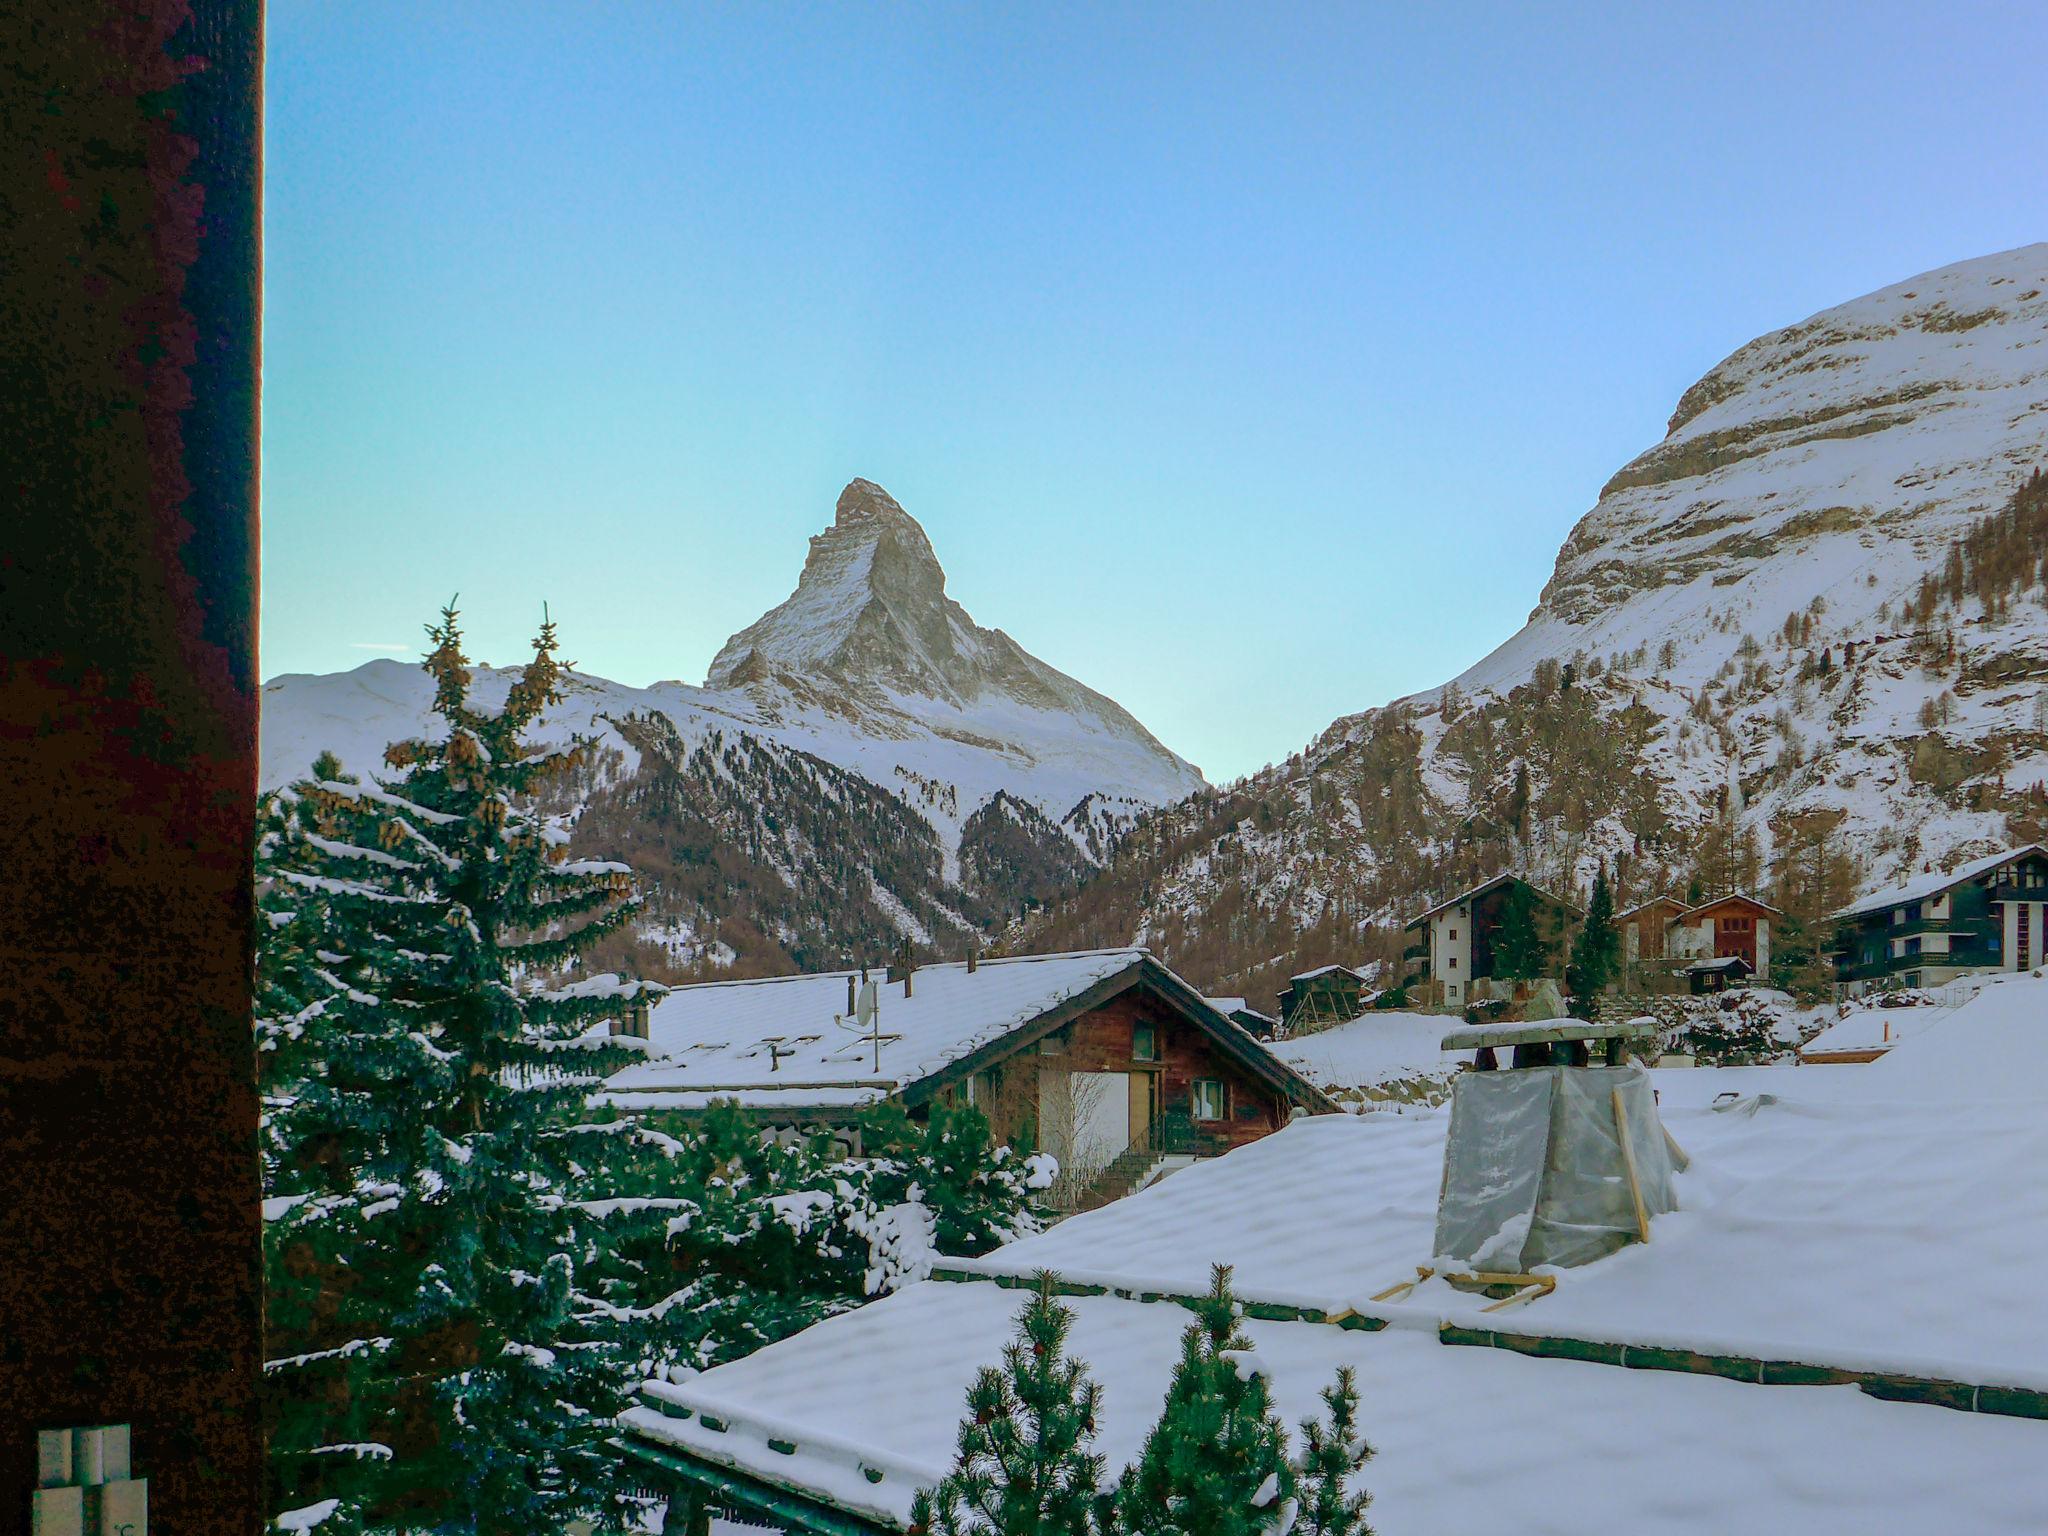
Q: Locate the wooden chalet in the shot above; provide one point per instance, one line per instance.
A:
(1329, 994)
(1717, 974)
(1725, 928)
(1100, 1057)
(1985, 916)
(1264, 1026)
(1458, 936)
(1643, 928)
(1666, 935)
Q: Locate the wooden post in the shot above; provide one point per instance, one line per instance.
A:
(130, 1287)
(1628, 1163)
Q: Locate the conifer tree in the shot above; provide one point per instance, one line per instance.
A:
(1519, 950)
(434, 1364)
(1596, 953)
(1216, 1462)
(734, 1241)
(1332, 1452)
(1023, 1467)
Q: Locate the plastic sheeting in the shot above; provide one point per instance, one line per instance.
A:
(1533, 1172)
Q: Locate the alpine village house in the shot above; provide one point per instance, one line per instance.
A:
(1460, 937)
(1104, 1058)
(1710, 944)
(1936, 928)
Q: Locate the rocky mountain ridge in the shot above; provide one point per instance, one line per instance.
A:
(1798, 644)
(863, 763)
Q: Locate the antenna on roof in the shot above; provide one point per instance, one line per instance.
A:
(865, 1017)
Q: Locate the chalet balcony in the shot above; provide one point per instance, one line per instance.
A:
(2010, 891)
(1972, 955)
(1976, 928)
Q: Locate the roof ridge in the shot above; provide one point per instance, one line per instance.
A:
(882, 967)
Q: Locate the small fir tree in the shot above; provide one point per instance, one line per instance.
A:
(1216, 1462)
(438, 1360)
(1596, 953)
(1332, 1453)
(1023, 1466)
(1520, 952)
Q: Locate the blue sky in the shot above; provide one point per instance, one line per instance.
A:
(1249, 363)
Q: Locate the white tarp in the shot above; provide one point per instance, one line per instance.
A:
(1533, 1171)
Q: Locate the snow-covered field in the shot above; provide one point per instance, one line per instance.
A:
(1886, 1217)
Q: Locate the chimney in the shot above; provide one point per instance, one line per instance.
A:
(973, 959)
(850, 984)
(901, 967)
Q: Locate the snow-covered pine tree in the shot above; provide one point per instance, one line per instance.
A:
(757, 1240)
(1216, 1462)
(433, 1364)
(1023, 1467)
(1332, 1452)
(942, 1187)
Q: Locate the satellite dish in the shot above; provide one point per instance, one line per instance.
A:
(867, 1005)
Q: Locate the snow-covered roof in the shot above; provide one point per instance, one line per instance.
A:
(1721, 963)
(1371, 1050)
(1334, 1209)
(1934, 882)
(1722, 900)
(1327, 970)
(1225, 1005)
(784, 1042)
(1644, 906)
(1482, 888)
(1863, 1031)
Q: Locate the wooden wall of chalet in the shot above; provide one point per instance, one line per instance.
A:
(1101, 1042)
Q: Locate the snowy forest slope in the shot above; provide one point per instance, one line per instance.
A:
(1798, 645)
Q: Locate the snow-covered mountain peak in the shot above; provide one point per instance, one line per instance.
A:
(871, 631)
(866, 722)
(870, 607)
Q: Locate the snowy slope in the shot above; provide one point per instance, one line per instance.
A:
(1731, 634)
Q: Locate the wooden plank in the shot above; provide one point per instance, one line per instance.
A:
(1628, 1162)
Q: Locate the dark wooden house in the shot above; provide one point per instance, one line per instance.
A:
(1096, 1056)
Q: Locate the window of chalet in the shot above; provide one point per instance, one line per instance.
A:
(1208, 1098)
(1144, 1042)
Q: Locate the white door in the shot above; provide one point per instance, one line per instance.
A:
(1084, 1118)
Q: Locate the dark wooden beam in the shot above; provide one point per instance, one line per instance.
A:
(129, 1201)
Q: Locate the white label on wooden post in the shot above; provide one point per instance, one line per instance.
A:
(88, 1457)
(57, 1511)
(53, 1458)
(114, 1443)
(124, 1508)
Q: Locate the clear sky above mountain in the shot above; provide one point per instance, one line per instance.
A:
(1247, 363)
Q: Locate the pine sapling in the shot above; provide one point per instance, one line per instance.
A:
(1332, 1453)
(1023, 1467)
(1216, 1462)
